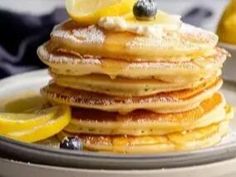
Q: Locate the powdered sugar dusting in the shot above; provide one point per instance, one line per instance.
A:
(51, 58)
(199, 34)
(84, 59)
(89, 35)
(187, 38)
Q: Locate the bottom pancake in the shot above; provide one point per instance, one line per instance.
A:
(196, 139)
(141, 122)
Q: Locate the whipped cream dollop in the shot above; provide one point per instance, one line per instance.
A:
(162, 22)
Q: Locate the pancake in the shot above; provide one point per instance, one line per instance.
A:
(123, 86)
(169, 102)
(138, 89)
(143, 123)
(183, 141)
(65, 62)
(92, 40)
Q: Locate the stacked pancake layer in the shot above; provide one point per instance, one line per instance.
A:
(138, 94)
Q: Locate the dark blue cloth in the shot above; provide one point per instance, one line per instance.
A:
(20, 35)
(197, 15)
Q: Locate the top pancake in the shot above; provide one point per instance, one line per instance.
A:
(185, 44)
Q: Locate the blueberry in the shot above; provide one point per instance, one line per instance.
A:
(145, 9)
(72, 143)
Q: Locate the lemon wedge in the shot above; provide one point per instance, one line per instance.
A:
(17, 122)
(88, 12)
(227, 25)
(46, 130)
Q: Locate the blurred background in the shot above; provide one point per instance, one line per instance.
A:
(25, 24)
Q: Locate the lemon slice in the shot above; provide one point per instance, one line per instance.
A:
(17, 122)
(46, 130)
(87, 12)
(25, 105)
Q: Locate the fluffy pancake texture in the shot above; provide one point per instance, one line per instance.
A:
(123, 86)
(133, 93)
(140, 122)
(187, 140)
(93, 40)
(65, 62)
(163, 102)
(184, 141)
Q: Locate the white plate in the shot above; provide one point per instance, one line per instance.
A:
(211, 162)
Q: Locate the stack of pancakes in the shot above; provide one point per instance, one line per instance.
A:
(138, 94)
